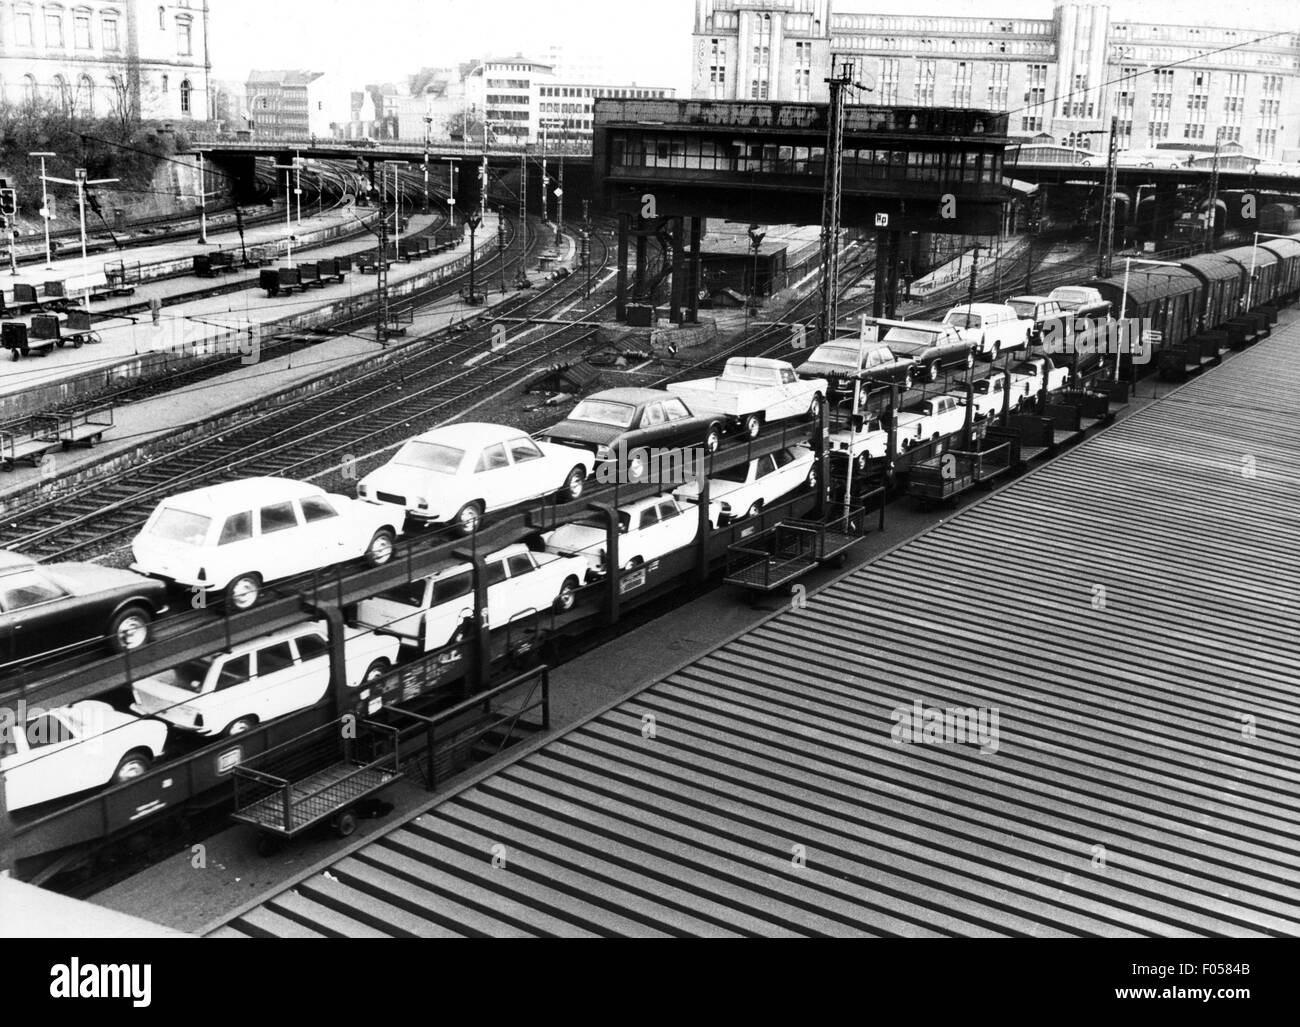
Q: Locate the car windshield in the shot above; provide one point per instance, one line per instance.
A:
(960, 319)
(1023, 308)
(409, 594)
(174, 525)
(909, 338)
(190, 675)
(430, 456)
(1070, 296)
(847, 355)
(602, 411)
(738, 474)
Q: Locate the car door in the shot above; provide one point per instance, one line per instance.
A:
(501, 599)
(280, 549)
(228, 697)
(281, 684)
(531, 474)
(655, 428)
(44, 763)
(40, 615)
(529, 587)
(492, 476)
(236, 550)
(676, 529)
(450, 603)
(685, 428)
(325, 530)
(788, 474)
(640, 536)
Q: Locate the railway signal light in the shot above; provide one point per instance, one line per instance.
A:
(8, 202)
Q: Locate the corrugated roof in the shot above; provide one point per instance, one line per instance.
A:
(1146, 283)
(1214, 266)
(1129, 611)
(1282, 247)
(1245, 254)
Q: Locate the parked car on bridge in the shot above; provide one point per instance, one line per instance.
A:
(233, 691)
(458, 472)
(60, 752)
(232, 539)
(53, 606)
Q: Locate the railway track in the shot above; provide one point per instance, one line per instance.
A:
(312, 435)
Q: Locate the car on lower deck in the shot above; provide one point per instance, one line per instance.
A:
(745, 489)
(648, 529)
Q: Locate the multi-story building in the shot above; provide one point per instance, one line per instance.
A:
(104, 57)
(566, 108)
(505, 90)
(296, 104)
(1063, 77)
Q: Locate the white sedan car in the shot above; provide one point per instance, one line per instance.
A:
(744, 490)
(234, 537)
(63, 751)
(456, 473)
(648, 529)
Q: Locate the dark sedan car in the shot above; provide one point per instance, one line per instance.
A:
(933, 345)
(45, 607)
(844, 359)
(614, 423)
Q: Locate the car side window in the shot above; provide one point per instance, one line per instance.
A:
(654, 414)
(238, 528)
(783, 457)
(524, 449)
(668, 510)
(278, 517)
(274, 658)
(493, 458)
(311, 647)
(235, 671)
(25, 589)
(453, 587)
(766, 465)
(676, 410)
(788, 376)
(314, 509)
(519, 565)
(873, 358)
(46, 729)
(649, 518)
(496, 572)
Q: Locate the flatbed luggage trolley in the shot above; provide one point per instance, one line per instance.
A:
(791, 548)
(318, 778)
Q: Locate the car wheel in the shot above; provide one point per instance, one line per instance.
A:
(993, 353)
(380, 550)
(934, 370)
(242, 725)
(934, 438)
(861, 461)
(243, 592)
(132, 765)
(712, 439)
(568, 593)
(815, 407)
(376, 670)
(811, 480)
(908, 380)
(756, 509)
(753, 424)
(468, 517)
(576, 483)
(129, 629)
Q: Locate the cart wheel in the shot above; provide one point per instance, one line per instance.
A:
(267, 845)
(345, 824)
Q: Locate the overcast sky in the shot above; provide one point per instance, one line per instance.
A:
(647, 40)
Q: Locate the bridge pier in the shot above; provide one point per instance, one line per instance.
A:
(884, 298)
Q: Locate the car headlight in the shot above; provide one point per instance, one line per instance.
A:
(421, 502)
(604, 453)
(724, 506)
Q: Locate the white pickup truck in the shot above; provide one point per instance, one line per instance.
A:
(932, 419)
(752, 391)
(1035, 368)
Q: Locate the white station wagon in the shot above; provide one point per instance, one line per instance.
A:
(429, 613)
(648, 529)
(67, 750)
(744, 490)
(458, 472)
(234, 537)
(269, 677)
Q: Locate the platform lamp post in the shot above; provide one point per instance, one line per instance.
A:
(46, 213)
(288, 207)
(501, 245)
(1250, 282)
(472, 220)
(297, 183)
(451, 191)
(81, 182)
(428, 131)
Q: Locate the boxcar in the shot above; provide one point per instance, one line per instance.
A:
(1264, 265)
(1223, 290)
(1287, 252)
(1169, 297)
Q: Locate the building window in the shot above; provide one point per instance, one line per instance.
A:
(81, 30)
(86, 95)
(53, 29)
(29, 88)
(185, 96)
(162, 18)
(184, 37)
(23, 28)
(166, 83)
(110, 33)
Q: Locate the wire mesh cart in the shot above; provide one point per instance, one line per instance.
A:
(789, 549)
(318, 778)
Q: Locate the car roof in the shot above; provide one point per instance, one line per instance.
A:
(925, 326)
(978, 308)
(244, 492)
(770, 363)
(11, 561)
(629, 394)
(468, 434)
(1031, 299)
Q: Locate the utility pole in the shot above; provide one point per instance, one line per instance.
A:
(522, 277)
(381, 272)
(586, 243)
(428, 128)
(559, 201)
(1106, 239)
(1212, 214)
(288, 205)
(501, 246)
(81, 182)
(974, 274)
(451, 190)
(46, 213)
(831, 197)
